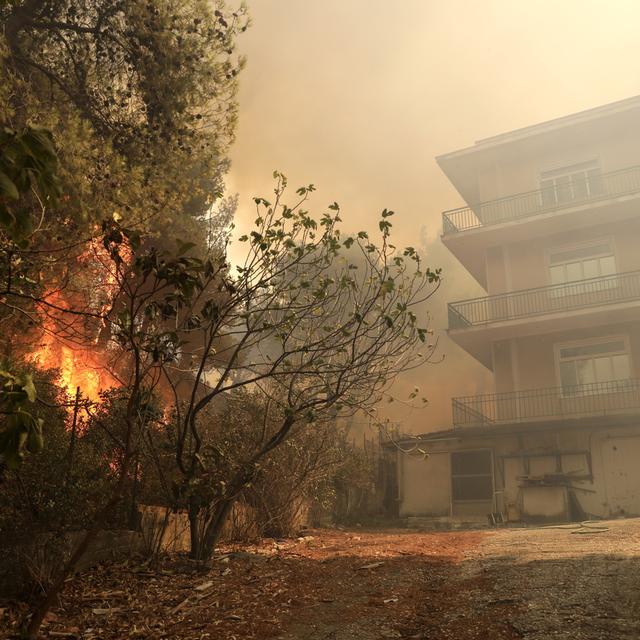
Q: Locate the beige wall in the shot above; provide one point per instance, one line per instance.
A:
(534, 356)
(516, 168)
(613, 489)
(424, 481)
(504, 375)
(524, 264)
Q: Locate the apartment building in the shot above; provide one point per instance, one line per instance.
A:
(551, 230)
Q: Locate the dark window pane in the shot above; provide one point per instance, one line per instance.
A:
(479, 488)
(563, 189)
(548, 193)
(471, 463)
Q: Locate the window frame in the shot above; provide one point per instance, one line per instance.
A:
(567, 171)
(558, 346)
(472, 475)
(550, 251)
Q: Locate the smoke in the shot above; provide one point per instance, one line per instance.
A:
(359, 98)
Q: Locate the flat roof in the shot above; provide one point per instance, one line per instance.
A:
(587, 115)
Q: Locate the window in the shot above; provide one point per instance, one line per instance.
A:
(593, 260)
(569, 184)
(471, 476)
(588, 363)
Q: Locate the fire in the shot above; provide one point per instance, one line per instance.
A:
(69, 342)
(79, 367)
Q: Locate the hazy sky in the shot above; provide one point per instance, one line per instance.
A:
(359, 96)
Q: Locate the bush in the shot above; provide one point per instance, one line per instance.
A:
(53, 493)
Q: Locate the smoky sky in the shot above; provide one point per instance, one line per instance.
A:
(359, 96)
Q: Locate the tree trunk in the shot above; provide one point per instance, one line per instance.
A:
(214, 528)
(194, 534)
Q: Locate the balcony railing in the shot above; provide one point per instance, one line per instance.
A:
(557, 403)
(616, 288)
(598, 186)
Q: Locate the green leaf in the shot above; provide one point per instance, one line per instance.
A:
(6, 219)
(387, 286)
(8, 187)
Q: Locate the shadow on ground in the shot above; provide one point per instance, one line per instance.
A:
(355, 585)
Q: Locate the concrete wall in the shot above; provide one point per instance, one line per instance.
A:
(424, 482)
(603, 463)
(535, 355)
(517, 167)
(523, 265)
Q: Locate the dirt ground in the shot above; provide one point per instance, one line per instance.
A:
(567, 583)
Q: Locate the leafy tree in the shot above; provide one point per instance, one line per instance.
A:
(139, 98)
(317, 334)
(56, 491)
(20, 431)
(28, 169)
(109, 110)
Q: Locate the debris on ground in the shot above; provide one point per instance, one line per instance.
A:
(533, 584)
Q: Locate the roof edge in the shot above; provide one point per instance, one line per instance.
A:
(515, 135)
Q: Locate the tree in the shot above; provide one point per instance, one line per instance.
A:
(320, 336)
(136, 102)
(125, 107)
(139, 100)
(28, 169)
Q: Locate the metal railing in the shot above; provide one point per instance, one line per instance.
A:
(556, 403)
(581, 294)
(598, 186)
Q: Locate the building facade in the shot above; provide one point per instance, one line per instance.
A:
(551, 230)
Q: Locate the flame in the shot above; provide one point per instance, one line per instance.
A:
(79, 367)
(82, 364)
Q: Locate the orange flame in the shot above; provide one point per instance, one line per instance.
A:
(81, 366)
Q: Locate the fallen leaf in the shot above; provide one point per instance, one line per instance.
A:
(204, 586)
(102, 612)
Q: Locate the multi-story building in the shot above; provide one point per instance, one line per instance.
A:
(551, 230)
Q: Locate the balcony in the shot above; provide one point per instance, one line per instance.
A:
(597, 187)
(592, 200)
(542, 405)
(476, 324)
(530, 303)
